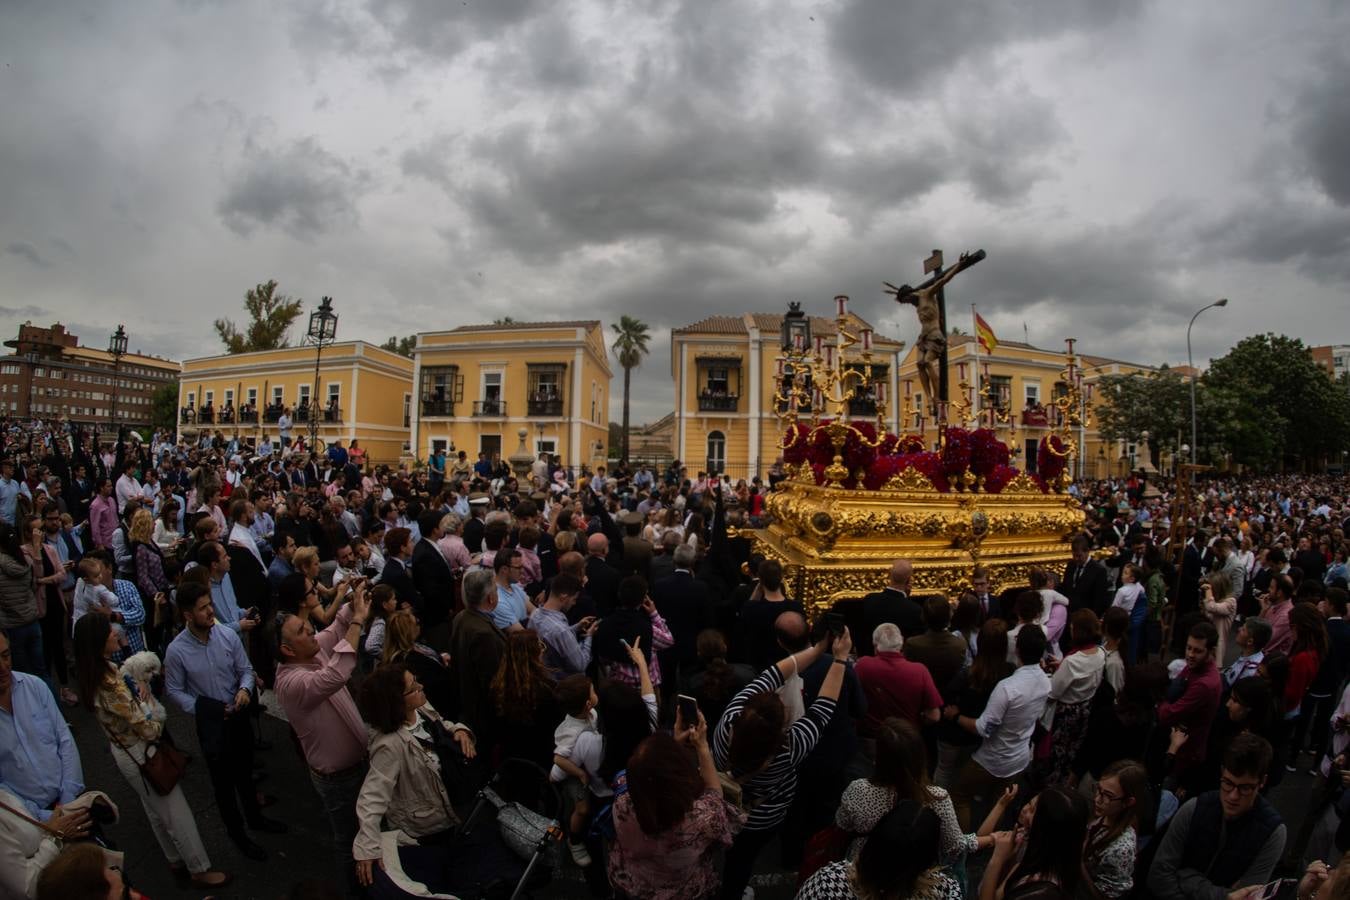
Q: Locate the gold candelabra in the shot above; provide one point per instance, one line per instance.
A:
(812, 378)
(1073, 412)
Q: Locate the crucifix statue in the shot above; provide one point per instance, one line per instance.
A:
(929, 302)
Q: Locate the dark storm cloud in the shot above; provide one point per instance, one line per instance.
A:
(1276, 230)
(1321, 126)
(432, 160)
(27, 251)
(23, 312)
(905, 46)
(300, 189)
(442, 28)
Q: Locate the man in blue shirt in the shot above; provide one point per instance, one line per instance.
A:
(212, 557)
(38, 761)
(207, 674)
(10, 490)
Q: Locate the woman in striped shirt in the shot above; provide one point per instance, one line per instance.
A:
(755, 750)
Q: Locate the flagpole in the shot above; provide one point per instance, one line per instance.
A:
(975, 333)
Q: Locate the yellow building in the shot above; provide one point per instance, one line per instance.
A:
(478, 385)
(1022, 382)
(725, 374)
(365, 394)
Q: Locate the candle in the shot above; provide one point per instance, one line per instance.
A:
(867, 338)
(961, 370)
(881, 392)
(817, 399)
(780, 367)
(820, 345)
(799, 342)
(829, 356)
(841, 303)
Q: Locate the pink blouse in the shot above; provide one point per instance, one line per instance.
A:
(676, 864)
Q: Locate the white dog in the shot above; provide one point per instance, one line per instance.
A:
(141, 667)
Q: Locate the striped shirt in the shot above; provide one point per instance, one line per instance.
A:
(771, 791)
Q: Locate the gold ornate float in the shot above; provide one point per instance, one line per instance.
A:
(856, 498)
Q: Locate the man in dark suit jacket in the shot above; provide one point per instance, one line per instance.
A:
(686, 605)
(892, 604)
(602, 579)
(435, 581)
(476, 649)
(663, 558)
(1085, 582)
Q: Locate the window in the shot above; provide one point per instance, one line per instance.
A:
(442, 387)
(210, 398)
(191, 399)
(278, 396)
(492, 386)
(717, 452)
(1000, 391)
(438, 445)
(407, 410)
(1032, 392)
(229, 399)
(334, 393)
(304, 395)
(545, 445)
(252, 395)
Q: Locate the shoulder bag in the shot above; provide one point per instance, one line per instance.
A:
(164, 764)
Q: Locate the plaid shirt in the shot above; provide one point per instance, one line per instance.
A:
(627, 673)
(133, 617)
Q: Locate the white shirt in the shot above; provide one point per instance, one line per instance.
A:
(1008, 721)
(128, 488)
(240, 536)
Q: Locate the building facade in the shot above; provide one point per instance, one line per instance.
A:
(478, 385)
(364, 394)
(1334, 359)
(1016, 386)
(50, 375)
(726, 384)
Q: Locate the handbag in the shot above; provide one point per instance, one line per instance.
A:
(164, 764)
(828, 845)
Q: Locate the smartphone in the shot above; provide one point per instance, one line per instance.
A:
(688, 708)
(834, 623)
(1269, 891)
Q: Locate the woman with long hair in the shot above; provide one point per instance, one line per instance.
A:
(383, 604)
(966, 623)
(1115, 641)
(714, 681)
(1251, 707)
(1055, 823)
(48, 574)
(133, 724)
(1220, 607)
(1072, 688)
(899, 860)
(901, 773)
(1122, 811)
(969, 692)
(672, 819)
(151, 579)
(1305, 659)
(433, 670)
(527, 705)
(19, 613)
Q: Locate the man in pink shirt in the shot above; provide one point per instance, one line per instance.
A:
(894, 686)
(311, 685)
(1275, 610)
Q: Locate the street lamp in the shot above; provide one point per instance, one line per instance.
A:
(32, 357)
(1222, 301)
(117, 346)
(322, 332)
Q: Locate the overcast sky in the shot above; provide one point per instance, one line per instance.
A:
(432, 163)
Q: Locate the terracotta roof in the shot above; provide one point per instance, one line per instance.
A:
(768, 323)
(577, 323)
(957, 340)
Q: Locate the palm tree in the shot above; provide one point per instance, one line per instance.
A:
(629, 347)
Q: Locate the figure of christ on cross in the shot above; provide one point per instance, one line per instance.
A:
(927, 301)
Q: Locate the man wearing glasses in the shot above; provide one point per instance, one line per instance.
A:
(1226, 839)
(513, 607)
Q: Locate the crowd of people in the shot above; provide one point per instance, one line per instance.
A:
(1111, 729)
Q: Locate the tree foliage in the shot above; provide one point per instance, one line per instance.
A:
(403, 346)
(630, 345)
(1157, 402)
(270, 316)
(164, 406)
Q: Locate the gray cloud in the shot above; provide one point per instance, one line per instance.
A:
(300, 189)
(27, 251)
(1321, 128)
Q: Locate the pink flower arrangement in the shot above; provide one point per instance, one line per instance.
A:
(1051, 460)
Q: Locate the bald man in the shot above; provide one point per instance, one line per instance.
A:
(892, 603)
(602, 579)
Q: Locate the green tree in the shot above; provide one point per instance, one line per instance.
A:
(1157, 402)
(629, 346)
(164, 406)
(402, 346)
(1288, 412)
(504, 320)
(270, 318)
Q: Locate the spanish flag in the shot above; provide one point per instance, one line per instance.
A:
(984, 334)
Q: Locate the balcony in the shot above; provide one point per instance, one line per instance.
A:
(489, 408)
(331, 415)
(717, 401)
(248, 417)
(206, 415)
(437, 406)
(544, 406)
(187, 415)
(272, 414)
(864, 407)
(226, 416)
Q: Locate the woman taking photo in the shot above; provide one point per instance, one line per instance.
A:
(1072, 687)
(1122, 809)
(132, 724)
(1051, 825)
(672, 819)
(527, 706)
(969, 693)
(404, 784)
(432, 669)
(1219, 606)
(899, 860)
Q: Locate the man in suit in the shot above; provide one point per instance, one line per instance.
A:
(1192, 567)
(663, 558)
(602, 579)
(637, 553)
(979, 584)
(892, 604)
(686, 605)
(1085, 580)
(435, 581)
(476, 649)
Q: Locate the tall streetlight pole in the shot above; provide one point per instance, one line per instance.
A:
(322, 332)
(32, 357)
(117, 346)
(1190, 363)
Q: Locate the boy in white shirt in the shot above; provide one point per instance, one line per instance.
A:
(93, 595)
(577, 697)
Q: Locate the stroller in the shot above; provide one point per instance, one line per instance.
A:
(508, 844)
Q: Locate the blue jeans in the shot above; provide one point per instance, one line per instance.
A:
(339, 802)
(25, 649)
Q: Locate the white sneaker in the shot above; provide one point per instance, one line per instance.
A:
(579, 854)
(748, 893)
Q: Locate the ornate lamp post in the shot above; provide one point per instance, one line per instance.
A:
(32, 357)
(1223, 301)
(117, 347)
(322, 332)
